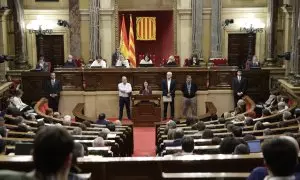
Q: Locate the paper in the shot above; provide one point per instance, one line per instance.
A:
(167, 99)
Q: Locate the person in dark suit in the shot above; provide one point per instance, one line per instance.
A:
(53, 88)
(194, 61)
(101, 119)
(239, 86)
(115, 57)
(146, 89)
(70, 63)
(168, 92)
(189, 90)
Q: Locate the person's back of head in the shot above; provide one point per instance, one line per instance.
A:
(23, 128)
(171, 134)
(67, 120)
(3, 131)
(249, 137)
(214, 117)
(78, 151)
(178, 133)
(258, 126)
(287, 115)
(229, 127)
(242, 149)
(18, 120)
(297, 112)
(227, 123)
(101, 116)
(222, 120)
(249, 121)
(111, 126)
(265, 112)
(2, 146)
(83, 126)
(52, 151)
(56, 115)
(98, 142)
(240, 118)
(216, 141)
(228, 145)
(118, 123)
(171, 124)
(49, 112)
(282, 124)
(267, 132)
(77, 131)
(281, 155)
(87, 123)
(237, 131)
(187, 144)
(104, 133)
(207, 134)
(200, 126)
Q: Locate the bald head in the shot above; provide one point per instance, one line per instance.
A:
(169, 75)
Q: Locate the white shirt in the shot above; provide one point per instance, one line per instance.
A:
(96, 63)
(124, 87)
(18, 103)
(239, 78)
(169, 84)
(143, 61)
(280, 178)
(125, 63)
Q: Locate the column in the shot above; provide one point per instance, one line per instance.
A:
(21, 61)
(74, 18)
(216, 29)
(271, 31)
(287, 34)
(197, 27)
(3, 41)
(94, 7)
(294, 54)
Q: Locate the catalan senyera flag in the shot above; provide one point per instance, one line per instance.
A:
(131, 52)
(146, 28)
(124, 39)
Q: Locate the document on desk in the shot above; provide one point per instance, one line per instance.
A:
(167, 99)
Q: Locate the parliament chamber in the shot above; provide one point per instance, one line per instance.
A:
(149, 90)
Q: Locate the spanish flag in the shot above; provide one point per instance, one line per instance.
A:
(131, 52)
(124, 39)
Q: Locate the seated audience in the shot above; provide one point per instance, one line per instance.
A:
(237, 131)
(52, 156)
(78, 151)
(207, 134)
(171, 61)
(99, 62)
(214, 117)
(229, 127)
(111, 126)
(187, 146)
(87, 123)
(146, 60)
(222, 120)
(281, 124)
(216, 141)
(23, 128)
(101, 119)
(49, 112)
(228, 145)
(70, 63)
(83, 126)
(42, 65)
(40, 125)
(3, 130)
(43, 105)
(227, 123)
(237, 110)
(76, 131)
(18, 103)
(31, 117)
(280, 157)
(122, 62)
(98, 142)
(57, 115)
(170, 125)
(282, 106)
(67, 120)
(177, 138)
(2, 147)
(241, 149)
(242, 105)
(258, 126)
(267, 132)
(249, 121)
(287, 116)
(104, 133)
(265, 113)
(239, 118)
(118, 123)
(227, 115)
(171, 134)
(249, 137)
(200, 126)
(297, 113)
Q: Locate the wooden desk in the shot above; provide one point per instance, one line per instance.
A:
(146, 109)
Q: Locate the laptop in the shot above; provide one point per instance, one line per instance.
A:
(23, 148)
(254, 146)
(146, 65)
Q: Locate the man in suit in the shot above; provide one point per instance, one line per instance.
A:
(115, 57)
(168, 92)
(53, 88)
(239, 86)
(189, 90)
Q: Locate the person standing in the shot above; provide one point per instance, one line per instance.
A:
(239, 86)
(125, 90)
(53, 89)
(168, 93)
(189, 90)
(115, 57)
(146, 89)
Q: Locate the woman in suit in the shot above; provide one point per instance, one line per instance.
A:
(146, 89)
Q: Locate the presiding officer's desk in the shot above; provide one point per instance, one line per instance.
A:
(97, 79)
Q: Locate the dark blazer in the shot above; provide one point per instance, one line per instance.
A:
(70, 64)
(176, 142)
(102, 122)
(144, 92)
(190, 62)
(164, 87)
(185, 91)
(239, 86)
(114, 58)
(49, 89)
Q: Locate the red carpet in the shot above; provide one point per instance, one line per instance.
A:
(144, 141)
